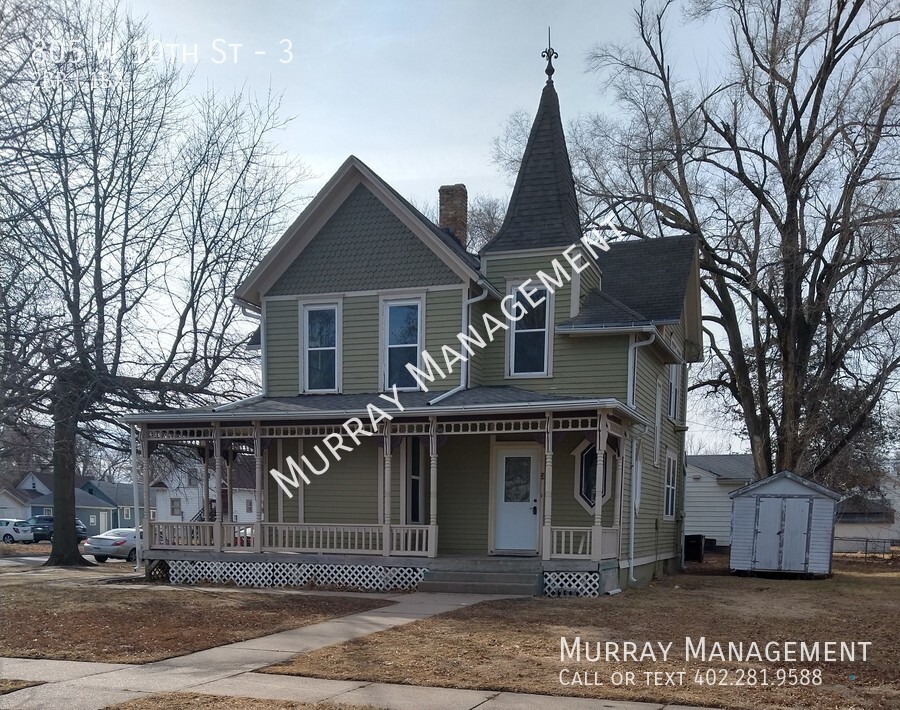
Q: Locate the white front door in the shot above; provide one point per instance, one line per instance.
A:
(516, 500)
(104, 521)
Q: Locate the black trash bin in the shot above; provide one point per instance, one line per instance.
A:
(693, 548)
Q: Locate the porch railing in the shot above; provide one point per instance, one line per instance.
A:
(571, 543)
(165, 535)
(356, 539)
(410, 540)
(237, 536)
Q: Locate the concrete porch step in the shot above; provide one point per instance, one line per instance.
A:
(493, 565)
(476, 582)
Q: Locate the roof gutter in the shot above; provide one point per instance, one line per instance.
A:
(464, 368)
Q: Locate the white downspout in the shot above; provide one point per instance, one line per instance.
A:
(632, 513)
(464, 368)
(632, 363)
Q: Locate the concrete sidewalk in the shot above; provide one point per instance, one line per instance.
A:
(229, 670)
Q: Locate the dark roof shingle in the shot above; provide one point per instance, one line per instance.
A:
(543, 209)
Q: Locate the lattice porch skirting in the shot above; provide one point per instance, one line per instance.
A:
(571, 584)
(375, 578)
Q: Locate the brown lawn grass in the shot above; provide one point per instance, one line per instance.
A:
(11, 686)
(196, 701)
(80, 621)
(22, 549)
(514, 644)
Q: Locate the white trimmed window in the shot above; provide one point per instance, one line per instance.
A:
(586, 476)
(126, 513)
(249, 508)
(402, 342)
(671, 486)
(674, 391)
(152, 514)
(529, 341)
(174, 506)
(321, 347)
(48, 511)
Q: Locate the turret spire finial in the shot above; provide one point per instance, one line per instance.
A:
(549, 54)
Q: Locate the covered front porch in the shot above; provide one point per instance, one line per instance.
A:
(481, 486)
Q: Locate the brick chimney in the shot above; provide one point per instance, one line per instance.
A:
(454, 211)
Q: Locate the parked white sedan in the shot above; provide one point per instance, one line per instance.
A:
(120, 542)
(12, 530)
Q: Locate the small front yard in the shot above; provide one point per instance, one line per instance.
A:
(11, 686)
(514, 645)
(84, 621)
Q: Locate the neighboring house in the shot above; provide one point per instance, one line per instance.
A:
(892, 494)
(15, 503)
(863, 525)
(179, 496)
(552, 452)
(121, 495)
(97, 514)
(709, 481)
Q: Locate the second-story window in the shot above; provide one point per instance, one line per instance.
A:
(320, 348)
(403, 325)
(528, 336)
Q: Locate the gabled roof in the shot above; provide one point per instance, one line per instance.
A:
(645, 282)
(725, 467)
(83, 499)
(120, 494)
(543, 209)
(23, 496)
(790, 476)
(342, 184)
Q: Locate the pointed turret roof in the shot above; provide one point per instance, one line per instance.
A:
(543, 210)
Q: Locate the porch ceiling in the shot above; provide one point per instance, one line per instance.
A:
(475, 401)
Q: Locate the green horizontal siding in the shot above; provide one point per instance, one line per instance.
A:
(347, 493)
(443, 322)
(463, 494)
(361, 363)
(282, 349)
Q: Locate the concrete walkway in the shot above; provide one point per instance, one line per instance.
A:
(228, 670)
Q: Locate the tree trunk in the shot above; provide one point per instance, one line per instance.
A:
(67, 393)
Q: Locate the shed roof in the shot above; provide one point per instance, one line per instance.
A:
(791, 476)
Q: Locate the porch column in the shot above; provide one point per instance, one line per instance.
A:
(217, 455)
(257, 493)
(547, 531)
(432, 498)
(145, 472)
(205, 482)
(229, 470)
(386, 520)
(602, 437)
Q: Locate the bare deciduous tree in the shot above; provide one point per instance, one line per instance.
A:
(787, 173)
(137, 209)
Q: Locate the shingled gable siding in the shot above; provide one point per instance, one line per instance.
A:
(363, 247)
(282, 348)
(583, 365)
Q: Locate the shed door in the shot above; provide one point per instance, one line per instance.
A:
(768, 533)
(796, 534)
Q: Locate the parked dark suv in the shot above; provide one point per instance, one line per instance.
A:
(42, 528)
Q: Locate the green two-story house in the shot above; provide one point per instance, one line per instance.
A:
(434, 419)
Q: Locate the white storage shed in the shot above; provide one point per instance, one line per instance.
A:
(784, 523)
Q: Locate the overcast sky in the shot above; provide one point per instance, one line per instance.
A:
(417, 89)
